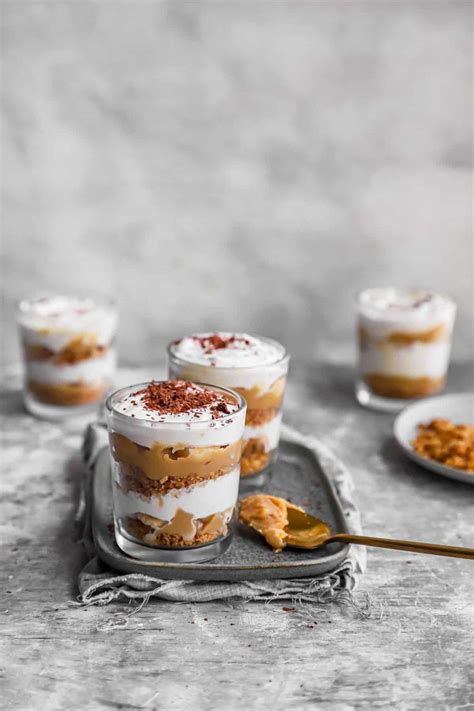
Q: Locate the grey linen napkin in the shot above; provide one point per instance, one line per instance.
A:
(100, 585)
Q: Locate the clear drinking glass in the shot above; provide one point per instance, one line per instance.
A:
(404, 343)
(69, 353)
(175, 483)
(263, 388)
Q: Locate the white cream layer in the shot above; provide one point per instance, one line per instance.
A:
(133, 421)
(242, 352)
(270, 431)
(262, 363)
(419, 360)
(200, 500)
(54, 321)
(91, 370)
(384, 311)
(200, 434)
(391, 303)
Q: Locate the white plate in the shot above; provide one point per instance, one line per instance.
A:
(457, 408)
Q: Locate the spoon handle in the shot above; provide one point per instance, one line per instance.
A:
(394, 543)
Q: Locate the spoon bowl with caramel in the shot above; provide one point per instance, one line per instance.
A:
(285, 525)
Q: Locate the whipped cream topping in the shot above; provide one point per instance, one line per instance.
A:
(227, 350)
(395, 304)
(65, 313)
(52, 321)
(177, 401)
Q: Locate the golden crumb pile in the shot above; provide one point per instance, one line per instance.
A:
(447, 443)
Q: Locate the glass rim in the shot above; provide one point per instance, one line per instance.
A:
(188, 424)
(357, 297)
(284, 357)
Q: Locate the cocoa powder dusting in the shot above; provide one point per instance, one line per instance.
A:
(179, 396)
(215, 342)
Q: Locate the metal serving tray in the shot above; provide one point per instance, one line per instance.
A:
(297, 476)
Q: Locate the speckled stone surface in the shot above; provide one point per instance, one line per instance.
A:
(414, 650)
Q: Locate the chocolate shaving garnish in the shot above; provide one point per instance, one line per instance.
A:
(423, 300)
(215, 342)
(179, 396)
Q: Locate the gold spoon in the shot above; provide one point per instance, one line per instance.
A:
(307, 531)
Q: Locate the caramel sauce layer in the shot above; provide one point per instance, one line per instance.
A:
(36, 352)
(162, 461)
(78, 349)
(134, 479)
(403, 338)
(254, 456)
(263, 400)
(363, 338)
(182, 530)
(256, 418)
(67, 394)
(398, 386)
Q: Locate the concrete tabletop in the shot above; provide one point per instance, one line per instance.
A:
(412, 649)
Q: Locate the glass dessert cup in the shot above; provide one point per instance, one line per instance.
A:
(68, 352)
(404, 343)
(262, 387)
(175, 481)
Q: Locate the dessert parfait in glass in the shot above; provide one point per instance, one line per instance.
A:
(256, 368)
(175, 453)
(69, 353)
(404, 340)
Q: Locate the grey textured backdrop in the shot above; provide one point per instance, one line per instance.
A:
(241, 165)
